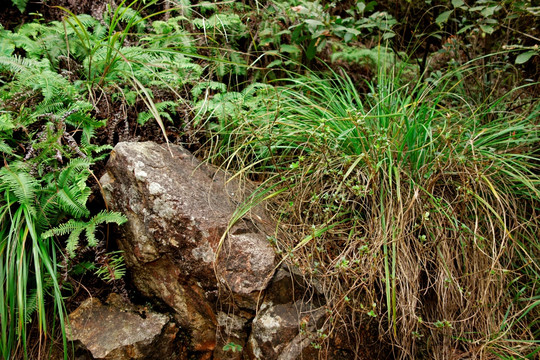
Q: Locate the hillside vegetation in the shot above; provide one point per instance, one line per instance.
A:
(396, 144)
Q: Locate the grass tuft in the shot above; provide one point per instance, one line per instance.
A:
(413, 205)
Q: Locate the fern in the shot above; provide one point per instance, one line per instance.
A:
(20, 4)
(74, 172)
(208, 85)
(20, 184)
(17, 64)
(32, 298)
(75, 228)
(37, 75)
(112, 268)
(229, 26)
(163, 108)
(5, 148)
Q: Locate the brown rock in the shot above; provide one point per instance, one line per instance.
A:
(283, 331)
(119, 332)
(178, 210)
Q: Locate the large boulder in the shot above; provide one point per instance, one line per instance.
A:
(178, 211)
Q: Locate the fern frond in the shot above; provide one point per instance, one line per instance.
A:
(208, 85)
(103, 150)
(51, 84)
(17, 64)
(252, 89)
(113, 268)
(89, 21)
(5, 148)
(73, 241)
(90, 234)
(75, 227)
(17, 40)
(108, 217)
(21, 184)
(31, 299)
(163, 108)
(20, 4)
(31, 305)
(64, 229)
(49, 106)
(73, 203)
(72, 172)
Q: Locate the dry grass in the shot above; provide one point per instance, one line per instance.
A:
(412, 206)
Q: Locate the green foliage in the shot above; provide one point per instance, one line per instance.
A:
(407, 188)
(112, 267)
(164, 108)
(502, 20)
(20, 4)
(312, 27)
(232, 347)
(43, 196)
(421, 194)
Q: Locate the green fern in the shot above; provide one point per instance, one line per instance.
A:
(207, 85)
(228, 26)
(20, 4)
(75, 228)
(112, 267)
(164, 108)
(21, 185)
(38, 76)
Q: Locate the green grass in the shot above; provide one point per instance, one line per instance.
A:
(27, 263)
(32, 211)
(411, 204)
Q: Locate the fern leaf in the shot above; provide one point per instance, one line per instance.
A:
(71, 204)
(73, 241)
(207, 85)
(108, 217)
(90, 234)
(20, 4)
(21, 184)
(64, 229)
(17, 64)
(75, 167)
(5, 148)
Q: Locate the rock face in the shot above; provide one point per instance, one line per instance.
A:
(178, 210)
(116, 331)
(223, 292)
(276, 331)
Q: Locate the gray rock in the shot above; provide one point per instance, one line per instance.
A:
(178, 209)
(284, 331)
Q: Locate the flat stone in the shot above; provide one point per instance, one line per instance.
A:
(118, 331)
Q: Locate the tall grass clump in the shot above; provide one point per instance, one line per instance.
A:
(412, 205)
(44, 218)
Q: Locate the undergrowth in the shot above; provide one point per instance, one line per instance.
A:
(44, 193)
(413, 205)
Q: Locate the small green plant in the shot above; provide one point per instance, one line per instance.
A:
(112, 266)
(442, 324)
(231, 346)
(43, 192)
(28, 255)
